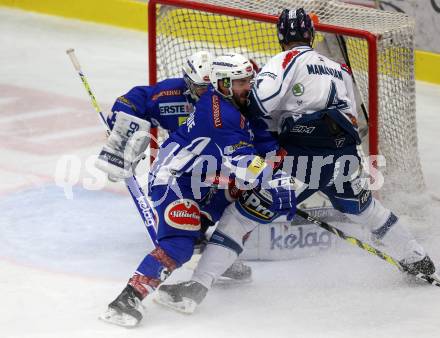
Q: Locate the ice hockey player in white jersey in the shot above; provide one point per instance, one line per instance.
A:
(308, 101)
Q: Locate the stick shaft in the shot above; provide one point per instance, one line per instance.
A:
(364, 246)
(77, 66)
(136, 192)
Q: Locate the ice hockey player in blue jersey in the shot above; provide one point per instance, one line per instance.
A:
(215, 141)
(308, 101)
(166, 104)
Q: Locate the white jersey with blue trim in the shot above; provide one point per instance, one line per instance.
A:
(301, 81)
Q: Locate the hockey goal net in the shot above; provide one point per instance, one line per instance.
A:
(377, 45)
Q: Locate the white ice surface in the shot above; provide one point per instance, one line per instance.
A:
(63, 260)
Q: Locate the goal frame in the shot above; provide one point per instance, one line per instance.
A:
(370, 38)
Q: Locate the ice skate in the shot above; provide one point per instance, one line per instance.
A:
(183, 297)
(124, 310)
(237, 273)
(424, 266)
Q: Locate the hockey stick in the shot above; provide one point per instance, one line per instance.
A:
(365, 246)
(344, 51)
(136, 192)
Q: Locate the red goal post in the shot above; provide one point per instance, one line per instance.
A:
(373, 66)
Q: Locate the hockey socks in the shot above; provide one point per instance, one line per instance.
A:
(153, 270)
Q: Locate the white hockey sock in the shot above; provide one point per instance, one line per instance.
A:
(391, 231)
(214, 262)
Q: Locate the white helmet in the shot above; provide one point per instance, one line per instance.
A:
(196, 71)
(230, 67)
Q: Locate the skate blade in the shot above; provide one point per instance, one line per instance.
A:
(112, 316)
(418, 280)
(436, 276)
(186, 306)
(224, 282)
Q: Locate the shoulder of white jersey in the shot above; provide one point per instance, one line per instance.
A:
(292, 55)
(346, 68)
(285, 60)
(276, 70)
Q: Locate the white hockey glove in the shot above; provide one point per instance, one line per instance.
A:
(125, 147)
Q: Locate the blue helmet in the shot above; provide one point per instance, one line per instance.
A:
(295, 25)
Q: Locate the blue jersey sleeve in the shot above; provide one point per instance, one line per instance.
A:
(134, 103)
(263, 140)
(165, 104)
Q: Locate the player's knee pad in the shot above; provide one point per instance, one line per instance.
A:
(179, 249)
(233, 229)
(177, 213)
(224, 240)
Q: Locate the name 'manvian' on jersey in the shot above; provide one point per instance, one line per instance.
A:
(166, 104)
(301, 81)
(215, 137)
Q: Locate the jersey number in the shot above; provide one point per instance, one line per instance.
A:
(133, 128)
(333, 102)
